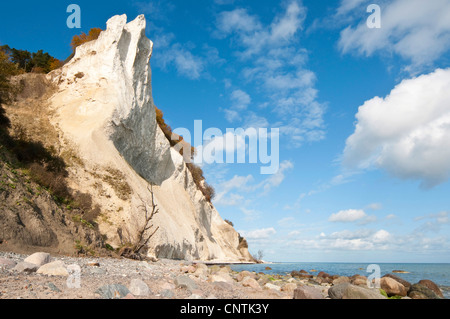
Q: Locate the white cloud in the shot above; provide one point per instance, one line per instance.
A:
(406, 133)
(416, 30)
(240, 99)
(350, 215)
(258, 234)
(275, 62)
(375, 206)
(276, 179)
(362, 239)
(433, 222)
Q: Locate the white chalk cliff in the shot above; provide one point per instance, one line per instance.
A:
(103, 109)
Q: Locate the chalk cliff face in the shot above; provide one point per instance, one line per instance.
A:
(104, 111)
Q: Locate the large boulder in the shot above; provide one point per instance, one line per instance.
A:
(244, 274)
(38, 259)
(392, 287)
(357, 292)
(307, 292)
(337, 291)
(405, 283)
(250, 282)
(56, 268)
(359, 280)
(25, 267)
(341, 280)
(431, 285)
(419, 291)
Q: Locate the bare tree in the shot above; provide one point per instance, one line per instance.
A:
(144, 233)
(260, 255)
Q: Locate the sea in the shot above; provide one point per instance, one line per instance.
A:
(413, 273)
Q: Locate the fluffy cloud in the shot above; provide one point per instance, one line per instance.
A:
(273, 60)
(416, 30)
(406, 133)
(350, 215)
(259, 234)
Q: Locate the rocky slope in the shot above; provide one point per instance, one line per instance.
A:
(103, 123)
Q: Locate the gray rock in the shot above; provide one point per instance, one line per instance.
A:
(341, 280)
(166, 293)
(7, 263)
(185, 282)
(114, 291)
(25, 267)
(53, 287)
(307, 292)
(223, 286)
(419, 291)
(337, 292)
(357, 292)
(139, 288)
(38, 259)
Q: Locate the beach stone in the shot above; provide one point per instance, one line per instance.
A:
(272, 287)
(431, 285)
(55, 268)
(359, 280)
(201, 270)
(337, 291)
(341, 280)
(53, 287)
(188, 269)
(289, 287)
(7, 263)
(94, 264)
(405, 283)
(324, 280)
(244, 274)
(357, 292)
(301, 274)
(323, 274)
(114, 291)
(250, 282)
(139, 288)
(213, 269)
(419, 291)
(38, 259)
(392, 287)
(225, 269)
(307, 292)
(185, 282)
(221, 277)
(26, 267)
(268, 268)
(166, 293)
(223, 286)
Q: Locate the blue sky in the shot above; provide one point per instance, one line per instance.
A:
(364, 114)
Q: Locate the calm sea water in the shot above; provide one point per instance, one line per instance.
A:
(438, 273)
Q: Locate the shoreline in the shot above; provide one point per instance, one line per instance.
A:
(107, 278)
